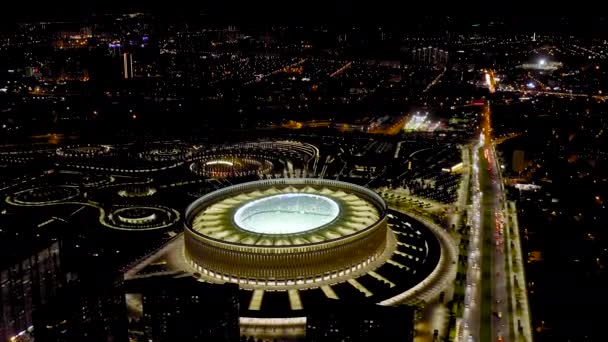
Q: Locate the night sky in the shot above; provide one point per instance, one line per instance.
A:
(416, 15)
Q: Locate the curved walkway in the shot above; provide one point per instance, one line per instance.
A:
(442, 276)
(103, 218)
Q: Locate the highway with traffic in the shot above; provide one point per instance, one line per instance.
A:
(489, 313)
(494, 307)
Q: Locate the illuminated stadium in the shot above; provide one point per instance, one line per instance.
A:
(286, 232)
(291, 243)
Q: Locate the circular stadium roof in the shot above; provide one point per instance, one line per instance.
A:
(286, 213)
(257, 213)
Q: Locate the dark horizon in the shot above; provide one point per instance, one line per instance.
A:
(517, 16)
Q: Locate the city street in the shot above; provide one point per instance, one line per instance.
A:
(508, 261)
(494, 320)
(488, 298)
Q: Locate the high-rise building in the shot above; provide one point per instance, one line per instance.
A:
(127, 65)
(359, 322)
(29, 277)
(182, 309)
(518, 161)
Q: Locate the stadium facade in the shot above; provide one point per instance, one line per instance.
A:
(286, 232)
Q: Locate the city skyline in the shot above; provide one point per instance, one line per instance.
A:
(238, 174)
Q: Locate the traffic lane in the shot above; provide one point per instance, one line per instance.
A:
(500, 323)
(500, 311)
(499, 288)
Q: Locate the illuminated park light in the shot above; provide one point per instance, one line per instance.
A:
(219, 162)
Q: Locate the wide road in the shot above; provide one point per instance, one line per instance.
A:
(490, 312)
(494, 315)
